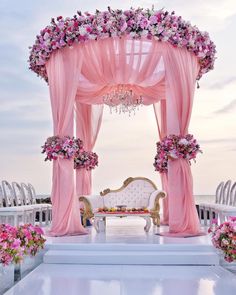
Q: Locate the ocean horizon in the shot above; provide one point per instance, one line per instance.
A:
(198, 198)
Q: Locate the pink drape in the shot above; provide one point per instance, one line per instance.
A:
(63, 69)
(181, 72)
(160, 114)
(88, 123)
(113, 61)
(154, 70)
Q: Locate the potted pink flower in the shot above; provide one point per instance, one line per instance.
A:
(224, 239)
(11, 252)
(32, 241)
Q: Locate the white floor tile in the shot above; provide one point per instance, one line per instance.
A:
(126, 280)
(128, 231)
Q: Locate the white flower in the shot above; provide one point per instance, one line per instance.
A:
(183, 141)
(82, 31)
(46, 36)
(225, 242)
(173, 155)
(144, 32)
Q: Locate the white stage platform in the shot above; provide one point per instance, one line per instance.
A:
(128, 261)
(71, 279)
(125, 242)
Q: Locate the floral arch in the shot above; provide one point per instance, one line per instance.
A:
(155, 56)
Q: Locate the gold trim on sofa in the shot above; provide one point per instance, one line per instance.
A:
(155, 212)
(125, 184)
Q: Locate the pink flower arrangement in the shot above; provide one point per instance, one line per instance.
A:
(87, 160)
(224, 238)
(56, 147)
(68, 148)
(31, 238)
(15, 242)
(10, 246)
(138, 23)
(175, 147)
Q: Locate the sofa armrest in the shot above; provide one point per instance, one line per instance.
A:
(154, 200)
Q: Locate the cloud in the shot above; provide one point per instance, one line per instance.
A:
(218, 140)
(222, 83)
(227, 108)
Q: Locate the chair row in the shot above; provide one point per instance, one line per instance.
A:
(18, 204)
(224, 205)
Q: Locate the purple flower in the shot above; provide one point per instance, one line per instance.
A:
(144, 23)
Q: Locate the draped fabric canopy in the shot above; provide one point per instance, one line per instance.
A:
(81, 75)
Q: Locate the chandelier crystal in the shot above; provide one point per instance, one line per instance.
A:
(122, 99)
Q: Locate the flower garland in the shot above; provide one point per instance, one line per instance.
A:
(224, 238)
(56, 147)
(87, 160)
(15, 242)
(175, 147)
(135, 23)
(69, 148)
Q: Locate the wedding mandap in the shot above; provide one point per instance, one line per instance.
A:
(123, 59)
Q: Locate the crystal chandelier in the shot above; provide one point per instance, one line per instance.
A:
(122, 99)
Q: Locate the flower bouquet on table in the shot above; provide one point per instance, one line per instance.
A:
(224, 238)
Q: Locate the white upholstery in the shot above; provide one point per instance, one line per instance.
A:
(152, 198)
(137, 194)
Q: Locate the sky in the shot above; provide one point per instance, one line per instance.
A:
(126, 145)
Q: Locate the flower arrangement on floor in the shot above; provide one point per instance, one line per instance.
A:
(16, 242)
(61, 147)
(135, 23)
(87, 160)
(175, 147)
(224, 238)
(69, 148)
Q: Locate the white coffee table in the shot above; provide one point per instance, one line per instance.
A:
(100, 219)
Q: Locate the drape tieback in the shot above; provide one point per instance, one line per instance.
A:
(174, 147)
(67, 147)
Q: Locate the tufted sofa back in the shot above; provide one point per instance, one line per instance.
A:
(136, 194)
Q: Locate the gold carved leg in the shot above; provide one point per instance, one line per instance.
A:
(155, 217)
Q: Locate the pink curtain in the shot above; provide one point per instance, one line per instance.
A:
(63, 69)
(160, 114)
(181, 72)
(156, 71)
(113, 61)
(88, 123)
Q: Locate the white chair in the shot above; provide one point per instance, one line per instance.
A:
(44, 208)
(224, 211)
(1, 197)
(206, 208)
(19, 201)
(10, 212)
